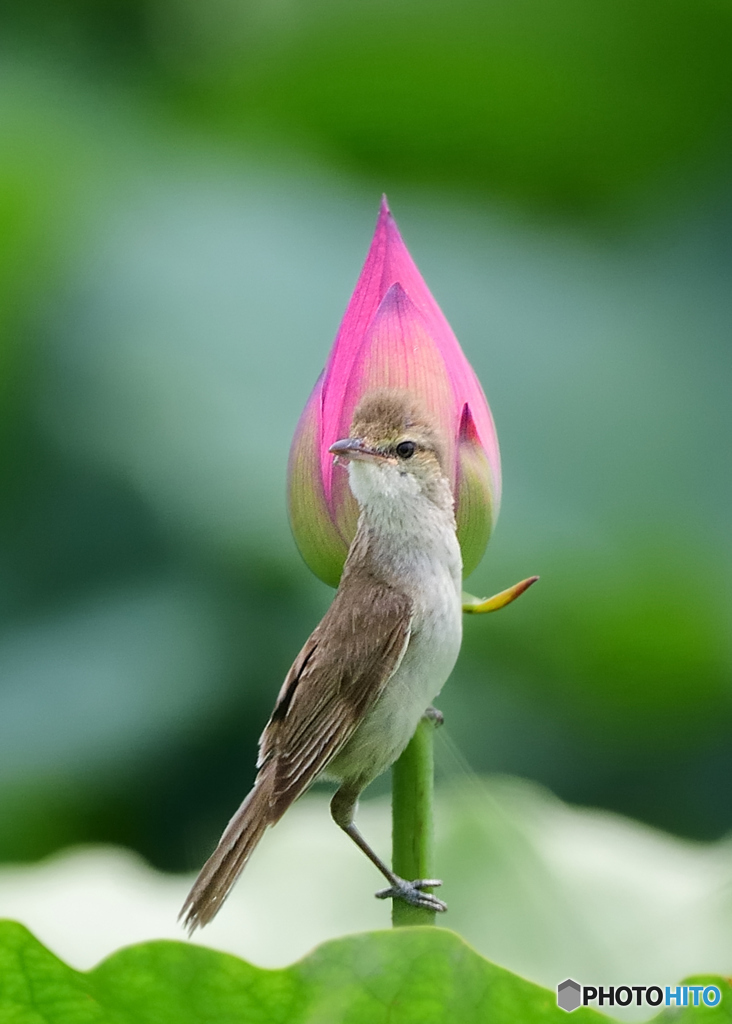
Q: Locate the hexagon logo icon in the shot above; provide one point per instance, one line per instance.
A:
(569, 995)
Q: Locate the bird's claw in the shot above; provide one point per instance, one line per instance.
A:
(411, 892)
(434, 715)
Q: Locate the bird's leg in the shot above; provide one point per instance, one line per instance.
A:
(342, 808)
(434, 715)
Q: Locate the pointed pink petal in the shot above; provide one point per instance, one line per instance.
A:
(467, 390)
(388, 262)
(397, 352)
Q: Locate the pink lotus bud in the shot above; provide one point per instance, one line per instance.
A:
(393, 335)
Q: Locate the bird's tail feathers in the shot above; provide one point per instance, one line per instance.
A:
(226, 863)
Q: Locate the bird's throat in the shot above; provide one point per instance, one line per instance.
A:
(405, 535)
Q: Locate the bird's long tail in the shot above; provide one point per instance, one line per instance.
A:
(226, 863)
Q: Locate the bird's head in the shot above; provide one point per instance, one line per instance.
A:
(394, 451)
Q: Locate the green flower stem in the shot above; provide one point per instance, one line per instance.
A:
(411, 817)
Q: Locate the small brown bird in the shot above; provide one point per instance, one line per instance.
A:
(356, 692)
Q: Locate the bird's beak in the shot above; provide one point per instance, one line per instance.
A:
(354, 448)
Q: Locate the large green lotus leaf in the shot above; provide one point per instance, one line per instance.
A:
(410, 976)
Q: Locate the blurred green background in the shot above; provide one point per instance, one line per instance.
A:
(187, 193)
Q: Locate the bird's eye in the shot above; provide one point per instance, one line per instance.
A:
(406, 449)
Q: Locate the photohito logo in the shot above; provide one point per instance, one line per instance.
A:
(571, 995)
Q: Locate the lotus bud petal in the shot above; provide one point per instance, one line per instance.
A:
(321, 545)
(393, 335)
(473, 494)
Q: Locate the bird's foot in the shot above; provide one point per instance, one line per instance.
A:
(434, 715)
(411, 892)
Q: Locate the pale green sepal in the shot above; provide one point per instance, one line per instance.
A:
(482, 605)
(315, 533)
(473, 495)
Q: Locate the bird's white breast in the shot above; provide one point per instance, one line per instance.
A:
(417, 542)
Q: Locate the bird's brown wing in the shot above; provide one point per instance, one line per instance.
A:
(339, 674)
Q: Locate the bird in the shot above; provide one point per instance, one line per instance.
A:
(381, 654)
